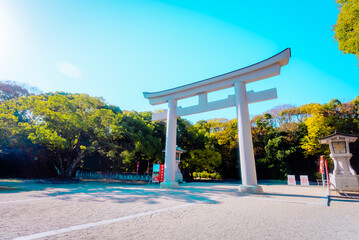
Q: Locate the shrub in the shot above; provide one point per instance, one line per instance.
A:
(318, 175)
(204, 174)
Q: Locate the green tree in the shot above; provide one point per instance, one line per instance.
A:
(186, 137)
(347, 28)
(8, 126)
(221, 135)
(318, 126)
(203, 160)
(277, 144)
(277, 153)
(71, 127)
(146, 137)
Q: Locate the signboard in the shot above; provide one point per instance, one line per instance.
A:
(304, 180)
(156, 168)
(291, 180)
(158, 173)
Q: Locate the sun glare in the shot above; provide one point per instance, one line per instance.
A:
(9, 29)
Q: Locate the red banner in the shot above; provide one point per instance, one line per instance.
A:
(138, 166)
(162, 172)
(326, 171)
(321, 164)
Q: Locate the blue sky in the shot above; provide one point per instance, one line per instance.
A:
(119, 49)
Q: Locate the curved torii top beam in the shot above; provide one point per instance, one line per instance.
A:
(261, 70)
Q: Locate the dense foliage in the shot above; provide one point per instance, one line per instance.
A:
(57, 134)
(347, 28)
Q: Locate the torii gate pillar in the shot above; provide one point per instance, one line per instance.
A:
(237, 79)
(246, 155)
(170, 153)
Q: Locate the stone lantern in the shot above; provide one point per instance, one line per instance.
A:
(178, 174)
(344, 176)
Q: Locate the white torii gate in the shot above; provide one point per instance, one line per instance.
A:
(237, 79)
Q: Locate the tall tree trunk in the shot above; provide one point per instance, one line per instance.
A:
(57, 169)
(73, 165)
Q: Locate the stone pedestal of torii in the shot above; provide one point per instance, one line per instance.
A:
(237, 79)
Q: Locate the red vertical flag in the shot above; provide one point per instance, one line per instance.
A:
(326, 171)
(138, 166)
(321, 163)
(162, 173)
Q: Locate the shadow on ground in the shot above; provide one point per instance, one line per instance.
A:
(125, 192)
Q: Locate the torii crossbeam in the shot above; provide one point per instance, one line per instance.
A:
(237, 79)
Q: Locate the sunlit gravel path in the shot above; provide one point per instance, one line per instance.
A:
(100, 210)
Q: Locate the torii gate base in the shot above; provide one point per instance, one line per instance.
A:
(237, 79)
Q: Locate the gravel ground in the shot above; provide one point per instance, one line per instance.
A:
(101, 210)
